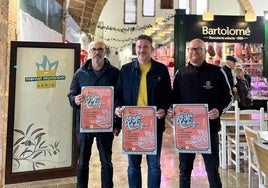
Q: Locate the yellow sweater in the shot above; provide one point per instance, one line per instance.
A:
(142, 95)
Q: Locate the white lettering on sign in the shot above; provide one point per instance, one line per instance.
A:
(225, 31)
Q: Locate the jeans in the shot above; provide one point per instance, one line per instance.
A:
(211, 163)
(104, 145)
(154, 170)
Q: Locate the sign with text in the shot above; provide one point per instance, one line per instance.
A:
(139, 130)
(40, 136)
(225, 29)
(97, 109)
(192, 134)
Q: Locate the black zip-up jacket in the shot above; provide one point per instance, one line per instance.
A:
(158, 87)
(86, 77)
(206, 84)
(228, 72)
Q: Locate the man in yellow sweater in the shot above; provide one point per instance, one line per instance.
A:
(144, 82)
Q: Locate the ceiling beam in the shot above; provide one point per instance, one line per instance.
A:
(245, 5)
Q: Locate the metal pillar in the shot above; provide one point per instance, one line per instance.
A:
(179, 39)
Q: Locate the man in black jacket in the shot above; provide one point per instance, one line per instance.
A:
(96, 71)
(229, 70)
(202, 83)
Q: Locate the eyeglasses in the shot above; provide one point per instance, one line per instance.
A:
(97, 49)
(198, 49)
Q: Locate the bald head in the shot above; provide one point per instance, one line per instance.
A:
(198, 42)
(96, 43)
(97, 51)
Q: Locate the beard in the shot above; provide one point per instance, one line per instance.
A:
(143, 56)
(97, 59)
(196, 59)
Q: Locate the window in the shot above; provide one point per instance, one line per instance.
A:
(130, 12)
(166, 4)
(148, 8)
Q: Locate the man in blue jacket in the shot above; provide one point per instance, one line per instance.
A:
(144, 82)
(96, 71)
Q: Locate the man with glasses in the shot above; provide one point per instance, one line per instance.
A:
(144, 82)
(201, 82)
(96, 71)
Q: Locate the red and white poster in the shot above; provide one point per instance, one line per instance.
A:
(97, 109)
(139, 130)
(192, 134)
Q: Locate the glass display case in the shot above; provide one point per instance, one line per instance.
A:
(259, 92)
(259, 88)
(250, 55)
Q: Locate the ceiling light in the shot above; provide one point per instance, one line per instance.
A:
(161, 34)
(155, 28)
(160, 20)
(250, 17)
(208, 16)
(266, 15)
(167, 31)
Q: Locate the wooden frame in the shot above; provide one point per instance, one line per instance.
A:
(166, 4)
(40, 132)
(130, 11)
(148, 8)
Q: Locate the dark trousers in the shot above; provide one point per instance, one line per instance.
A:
(211, 163)
(104, 145)
(154, 168)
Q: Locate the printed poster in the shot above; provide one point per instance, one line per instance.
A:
(97, 109)
(139, 130)
(40, 142)
(192, 133)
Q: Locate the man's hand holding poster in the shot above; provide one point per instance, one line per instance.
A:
(192, 133)
(139, 130)
(97, 109)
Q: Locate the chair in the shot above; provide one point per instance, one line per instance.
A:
(252, 165)
(236, 143)
(261, 153)
(232, 109)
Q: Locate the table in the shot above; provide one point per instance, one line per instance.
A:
(228, 119)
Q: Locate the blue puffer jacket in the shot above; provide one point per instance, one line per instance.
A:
(86, 77)
(158, 87)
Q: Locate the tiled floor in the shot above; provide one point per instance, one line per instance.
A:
(169, 164)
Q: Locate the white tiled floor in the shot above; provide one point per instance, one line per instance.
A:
(169, 164)
(170, 171)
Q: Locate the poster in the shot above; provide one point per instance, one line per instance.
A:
(191, 124)
(97, 109)
(139, 130)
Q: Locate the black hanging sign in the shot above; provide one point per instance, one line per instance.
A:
(225, 29)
